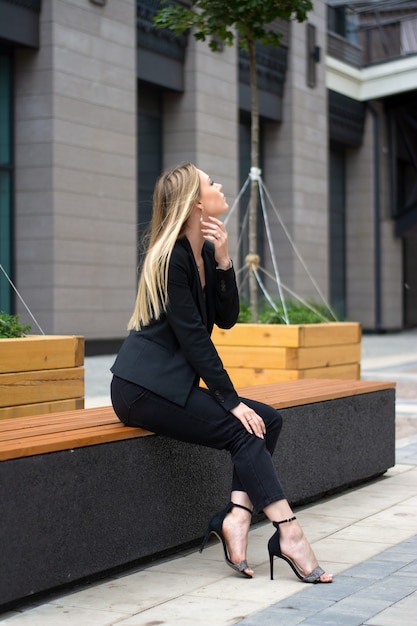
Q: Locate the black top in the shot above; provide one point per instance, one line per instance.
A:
(171, 354)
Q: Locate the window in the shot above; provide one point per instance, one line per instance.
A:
(149, 149)
(336, 20)
(6, 177)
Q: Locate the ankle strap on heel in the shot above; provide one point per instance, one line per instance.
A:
(240, 506)
(284, 521)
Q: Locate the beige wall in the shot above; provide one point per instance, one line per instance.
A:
(76, 168)
(360, 243)
(75, 203)
(391, 246)
(296, 168)
(360, 211)
(201, 124)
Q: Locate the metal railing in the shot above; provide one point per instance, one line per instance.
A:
(342, 49)
(34, 5)
(363, 33)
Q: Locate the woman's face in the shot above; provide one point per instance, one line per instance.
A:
(212, 199)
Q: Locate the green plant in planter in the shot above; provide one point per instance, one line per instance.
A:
(245, 314)
(10, 327)
(297, 314)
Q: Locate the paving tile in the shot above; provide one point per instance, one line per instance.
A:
(316, 526)
(274, 616)
(407, 454)
(361, 504)
(346, 613)
(409, 570)
(369, 589)
(403, 612)
(390, 517)
(186, 610)
(306, 602)
(349, 551)
(376, 569)
(58, 615)
(259, 589)
(405, 480)
(381, 528)
(342, 587)
(133, 593)
(399, 468)
(390, 589)
(403, 551)
(208, 563)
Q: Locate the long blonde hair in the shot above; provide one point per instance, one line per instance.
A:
(175, 196)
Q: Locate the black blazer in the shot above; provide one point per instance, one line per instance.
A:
(171, 354)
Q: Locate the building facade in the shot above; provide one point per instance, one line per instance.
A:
(95, 102)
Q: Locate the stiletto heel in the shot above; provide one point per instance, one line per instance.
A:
(215, 527)
(274, 549)
(271, 564)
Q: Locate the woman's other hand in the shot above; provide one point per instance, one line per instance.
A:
(253, 422)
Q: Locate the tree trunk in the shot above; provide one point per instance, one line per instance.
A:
(253, 202)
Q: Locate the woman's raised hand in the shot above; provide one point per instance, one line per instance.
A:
(215, 231)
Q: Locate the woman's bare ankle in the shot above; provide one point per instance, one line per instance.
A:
(236, 530)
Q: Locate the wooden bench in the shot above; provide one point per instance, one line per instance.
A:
(82, 494)
(72, 429)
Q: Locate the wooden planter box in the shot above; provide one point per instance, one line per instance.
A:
(41, 374)
(265, 353)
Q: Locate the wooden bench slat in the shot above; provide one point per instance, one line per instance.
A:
(52, 432)
(80, 415)
(67, 435)
(65, 425)
(83, 415)
(74, 439)
(58, 416)
(307, 391)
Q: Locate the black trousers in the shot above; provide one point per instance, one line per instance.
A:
(204, 421)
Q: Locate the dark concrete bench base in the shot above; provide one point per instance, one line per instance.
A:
(72, 514)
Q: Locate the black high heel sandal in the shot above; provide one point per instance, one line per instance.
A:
(215, 527)
(274, 549)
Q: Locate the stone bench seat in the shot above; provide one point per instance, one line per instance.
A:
(83, 495)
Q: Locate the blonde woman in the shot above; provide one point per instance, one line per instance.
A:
(187, 284)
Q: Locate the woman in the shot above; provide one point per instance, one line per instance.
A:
(187, 284)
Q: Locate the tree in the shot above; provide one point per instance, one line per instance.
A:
(250, 21)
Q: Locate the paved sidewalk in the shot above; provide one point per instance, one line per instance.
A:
(365, 536)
